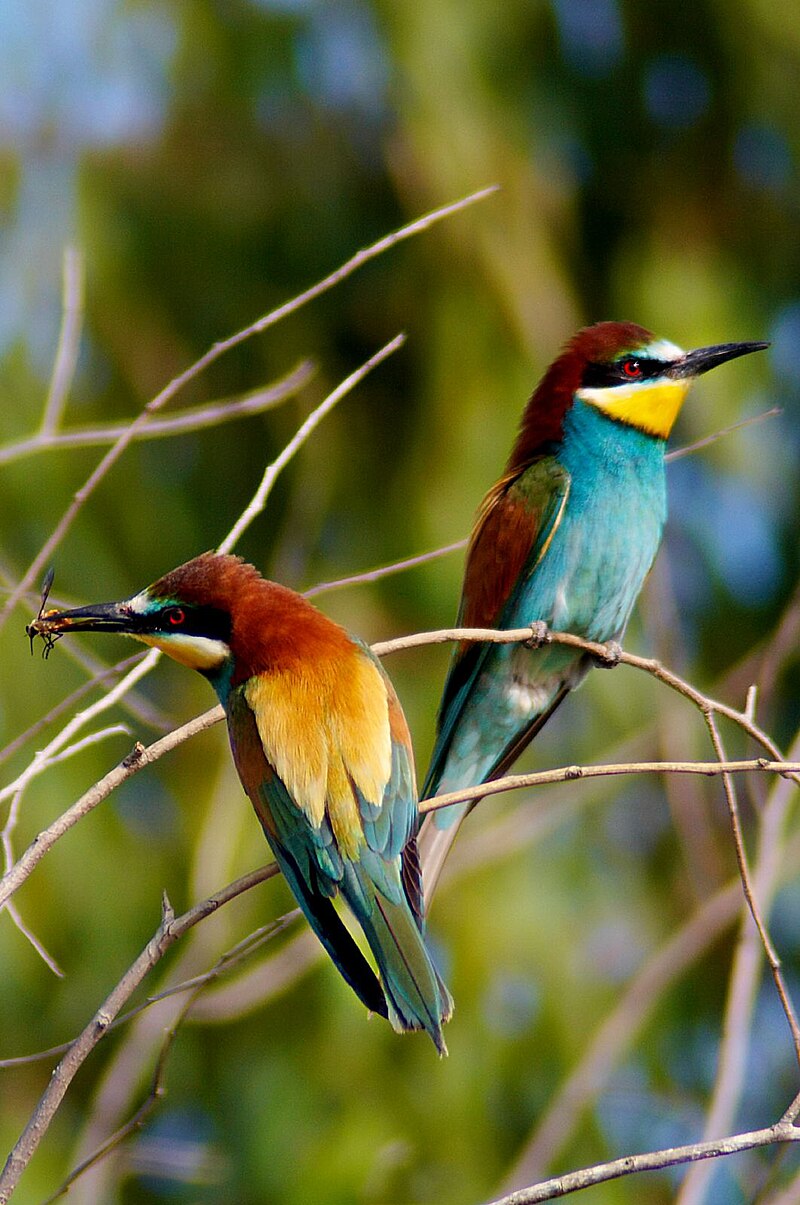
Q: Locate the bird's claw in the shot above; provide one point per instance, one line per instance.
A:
(610, 657)
(539, 635)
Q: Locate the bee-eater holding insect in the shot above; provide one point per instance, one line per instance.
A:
(323, 750)
(565, 537)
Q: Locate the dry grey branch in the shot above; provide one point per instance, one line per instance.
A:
(259, 499)
(192, 419)
(375, 575)
(562, 1186)
(157, 1089)
(218, 349)
(168, 932)
(66, 704)
(69, 338)
(140, 757)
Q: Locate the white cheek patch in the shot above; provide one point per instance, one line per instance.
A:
(628, 392)
(197, 652)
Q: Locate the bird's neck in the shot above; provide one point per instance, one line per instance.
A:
(275, 630)
(558, 403)
(593, 440)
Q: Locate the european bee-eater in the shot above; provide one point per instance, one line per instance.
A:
(566, 536)
(322, 748)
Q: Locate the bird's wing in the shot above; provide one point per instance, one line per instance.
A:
(329, 768)
(338, 744)
(513, 530)
(301, 851)
(393, 829)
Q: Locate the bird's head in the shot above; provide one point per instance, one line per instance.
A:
(214, 614)
(626, 372)
(640, 380)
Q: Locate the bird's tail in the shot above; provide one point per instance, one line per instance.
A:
(439, 828)
(436, 835)
(416, 996)
(334, 935)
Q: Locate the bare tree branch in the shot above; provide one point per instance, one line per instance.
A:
(168, 932)
(195, 418)
(259, 499)
(66, 704)
(375, 575)
(562, 1186)
(69, 339)
(540, 778)
(707, 440)
(169, 391)
(140, 757)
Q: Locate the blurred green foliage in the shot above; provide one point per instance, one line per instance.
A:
(210, 161)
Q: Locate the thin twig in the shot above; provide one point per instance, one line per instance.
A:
(44, 556)
(747, 886)
(601, 1173)
(375, 575)
(67, 703)
(259, 499)
(168, 932)
(69, 339)
(43, 758)
(706, 440)
(541, 778)
(35, 942)
(195, 418)
(140, 757)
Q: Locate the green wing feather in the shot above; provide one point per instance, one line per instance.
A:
(515, 525)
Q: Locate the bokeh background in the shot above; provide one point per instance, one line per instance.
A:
(209, 161)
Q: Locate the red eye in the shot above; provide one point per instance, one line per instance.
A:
(632, 369)
(176, 616)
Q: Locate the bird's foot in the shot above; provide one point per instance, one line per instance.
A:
(540, 635)
(610, 657)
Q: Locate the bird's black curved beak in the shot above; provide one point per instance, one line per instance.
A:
(99, 617)
(695, 363)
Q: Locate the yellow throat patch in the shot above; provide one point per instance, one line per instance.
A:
(649, 406)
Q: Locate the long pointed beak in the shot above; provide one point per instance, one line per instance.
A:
(99, 617)
(695, 363)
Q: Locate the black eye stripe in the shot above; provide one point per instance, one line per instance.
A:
(210, 622)
(600, 376)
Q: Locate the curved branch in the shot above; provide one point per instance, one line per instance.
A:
(194, 370)
(169, 931)
(538, 635)
(561, 1186)
(137, 759)
(193, 418)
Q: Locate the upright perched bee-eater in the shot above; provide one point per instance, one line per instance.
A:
(566, 537)
(323, 750)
